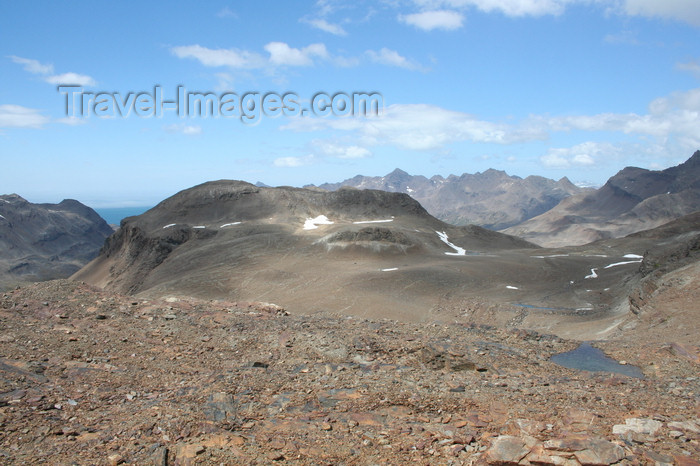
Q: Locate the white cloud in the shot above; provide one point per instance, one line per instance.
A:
(283, 54)
(681, 10)
(420, 127)
(674, 117)
(224, 82)
(293, 161)
(187, 130)
(554, 160)
(232, 58)
(323, 25)
(670, 127)
(341, 151)
(36, 67)
(226, 12)
(389, 57)
(70, 79)
(516, 8)
(326, 7)
(580, 155)
(32, 66)
(72, 121)
(435, 19)
(687, 11)
(16, 116)
(692, 67)
(624, 37)
(346, 62)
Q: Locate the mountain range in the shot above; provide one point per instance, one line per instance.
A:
(492, 199)
(634, 199)
(547, 212)
(46, 241)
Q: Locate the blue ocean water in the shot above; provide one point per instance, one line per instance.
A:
(114, 215)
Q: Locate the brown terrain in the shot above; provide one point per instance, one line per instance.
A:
(394, 338)
(92, 377)
(233, 241)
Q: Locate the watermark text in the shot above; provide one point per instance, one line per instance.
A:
(249, 107)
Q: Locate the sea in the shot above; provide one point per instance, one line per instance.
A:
(114, 215)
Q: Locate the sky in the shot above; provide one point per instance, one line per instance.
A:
(92, 93)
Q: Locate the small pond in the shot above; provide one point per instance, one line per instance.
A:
(588, 358)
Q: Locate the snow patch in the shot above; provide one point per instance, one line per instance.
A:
(390, 270)
(374, 221)
(312, 223)
(553, 255)
(229, 224)
(199, 227)
(169, 225)
(593, 274)
(633, 256)
(409, 190)
(512, 287)
(2, 217)
(459, 251)
(622, 263)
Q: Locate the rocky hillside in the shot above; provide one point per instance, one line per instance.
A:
(365, 253)
(310, 249)
(46, 241)
(634, 199)
(492, 199)
(90, 377)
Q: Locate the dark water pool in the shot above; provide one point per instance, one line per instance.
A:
(588, 358)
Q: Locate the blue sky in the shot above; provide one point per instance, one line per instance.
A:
(576, 88)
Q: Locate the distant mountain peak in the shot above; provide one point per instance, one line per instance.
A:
(492, 199)
(398, 172)
(693, 161)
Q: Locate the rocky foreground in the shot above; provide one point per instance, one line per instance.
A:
(89, 377)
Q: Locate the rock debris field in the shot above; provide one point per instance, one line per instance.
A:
(90, 377)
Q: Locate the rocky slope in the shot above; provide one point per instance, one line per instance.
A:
(634, 199)
(46, 241)
(365, 253)
(492, 199)
(91, 377)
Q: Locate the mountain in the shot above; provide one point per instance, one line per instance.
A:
(234, 240)
(634, 199)
(367, 253)
(491, 199)
(46, 241)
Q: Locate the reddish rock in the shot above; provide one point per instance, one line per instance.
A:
(506, 449)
